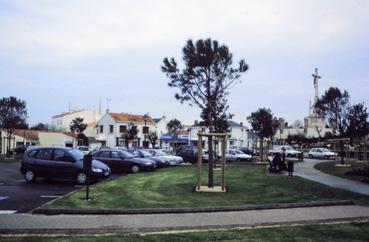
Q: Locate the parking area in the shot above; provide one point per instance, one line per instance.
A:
(18, 196)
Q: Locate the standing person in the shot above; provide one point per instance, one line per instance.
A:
(290, 165)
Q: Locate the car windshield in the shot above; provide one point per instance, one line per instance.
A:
(325, 150)
(145, 153)
(77, 154)
(238, 152)
(289, 148)
(126, 154)
(83, 148)
(159, 152)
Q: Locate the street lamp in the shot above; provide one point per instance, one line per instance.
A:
(145, 130)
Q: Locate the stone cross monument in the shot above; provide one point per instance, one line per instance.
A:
(314, 123)
(316, 86)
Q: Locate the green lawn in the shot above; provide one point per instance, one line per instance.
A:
(173, 188)
(344, 232)
(329, 168)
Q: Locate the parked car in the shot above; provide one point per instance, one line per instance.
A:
(101, 148)
(237, 155)
(20, 149)
(160, 162)
(321, 153)
(123, 161)
(59, 162)
(182, 148)
(188, 153)
(286, 149)
(247, 151)
(84, 149)
(172, 159)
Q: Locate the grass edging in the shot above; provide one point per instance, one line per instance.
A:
(58, 211)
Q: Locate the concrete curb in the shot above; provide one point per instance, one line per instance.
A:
(179, 229)
(56, 211)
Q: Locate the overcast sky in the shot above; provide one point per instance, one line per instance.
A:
(53, 53)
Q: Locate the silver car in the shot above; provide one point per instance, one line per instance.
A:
(321, 153)
(173, 160)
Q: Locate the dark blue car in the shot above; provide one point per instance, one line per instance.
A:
(61, 163)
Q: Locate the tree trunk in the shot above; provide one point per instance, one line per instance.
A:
(9, 142)
(210, 152)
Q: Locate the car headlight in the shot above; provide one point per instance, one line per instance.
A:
(98, 170)
(148, 163)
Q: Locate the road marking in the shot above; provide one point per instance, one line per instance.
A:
(7, 211)
(49, 196)
(2, 183)
(3, 198)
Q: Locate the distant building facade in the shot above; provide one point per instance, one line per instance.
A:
(62, 121)
(41, 138)
(112, 126)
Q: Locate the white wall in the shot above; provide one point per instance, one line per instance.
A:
(62, 123)
(110, 138)
(55, 139)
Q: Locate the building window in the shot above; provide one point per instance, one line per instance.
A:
(101, 129)
(145, 130)
(122, 128)
(111, 128)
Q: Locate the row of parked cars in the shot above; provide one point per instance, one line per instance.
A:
(190, 153)
(67, 163)
(319, 153)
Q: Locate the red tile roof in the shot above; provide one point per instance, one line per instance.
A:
(125, 117)
(28, 134)
(93, 123)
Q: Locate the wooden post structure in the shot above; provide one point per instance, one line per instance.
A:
(224, 143)
(199, 162)
(199, 187)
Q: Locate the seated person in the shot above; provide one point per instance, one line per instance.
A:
(278, 162)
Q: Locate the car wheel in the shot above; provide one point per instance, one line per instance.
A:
(238, 159)
(29, 176)
(311, 156)
(135, 169)
(81, 178)
(325, 157)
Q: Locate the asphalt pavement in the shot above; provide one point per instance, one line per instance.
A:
(18, 196)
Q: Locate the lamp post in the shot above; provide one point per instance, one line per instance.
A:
(145, 131)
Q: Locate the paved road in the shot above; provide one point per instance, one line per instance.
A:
(18, 196)
(38, 224)
(306, 170)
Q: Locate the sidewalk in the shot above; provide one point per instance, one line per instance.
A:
(306, 170)
(88, 224)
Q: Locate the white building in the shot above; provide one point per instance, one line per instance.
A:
(63, 120)
(238, 135)
(161, 126)
(40, 138)
(112, 125)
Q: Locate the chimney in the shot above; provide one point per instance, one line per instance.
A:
(196, 123)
